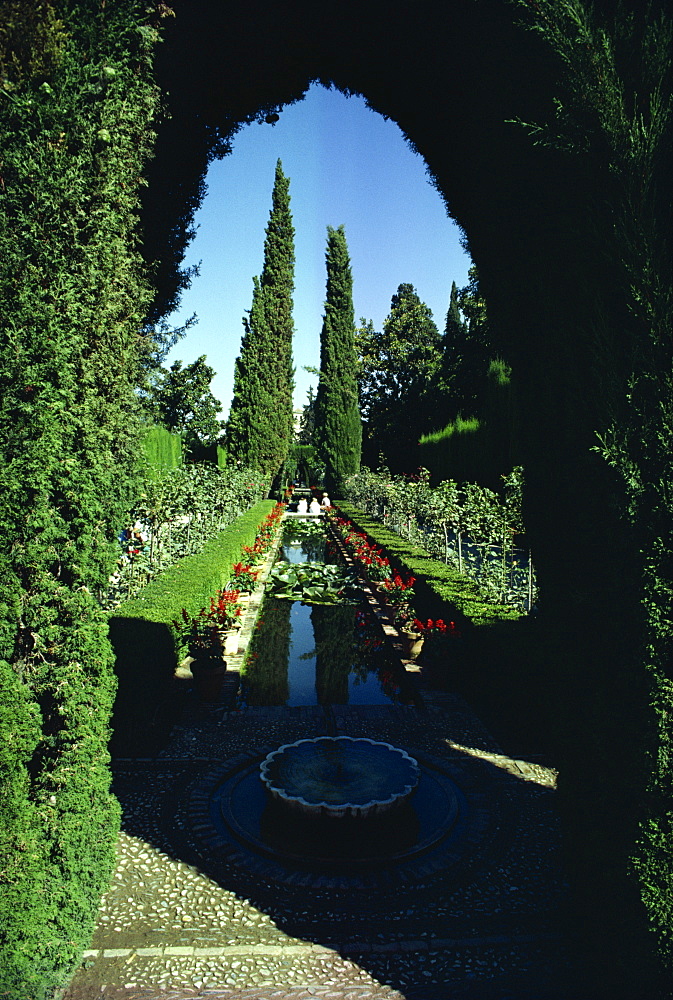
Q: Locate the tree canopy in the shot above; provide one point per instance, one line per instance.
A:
(184, 403)
(397, 379)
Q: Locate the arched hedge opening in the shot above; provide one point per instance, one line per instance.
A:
(547, 129)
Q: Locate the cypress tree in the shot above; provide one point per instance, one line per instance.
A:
(338, 425)
(465, 351)
(259, 430)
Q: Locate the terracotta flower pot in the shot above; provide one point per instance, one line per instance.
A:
(412, 644)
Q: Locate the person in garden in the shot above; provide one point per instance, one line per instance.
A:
(314, 507)
(302, 506)
(326, 502)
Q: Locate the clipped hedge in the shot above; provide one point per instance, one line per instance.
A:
(440, 590)
(140, 631)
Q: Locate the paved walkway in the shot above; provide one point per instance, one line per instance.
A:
(197, 909)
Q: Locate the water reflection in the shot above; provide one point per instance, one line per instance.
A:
(305, 654)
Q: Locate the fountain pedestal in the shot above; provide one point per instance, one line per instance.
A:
(339, 776)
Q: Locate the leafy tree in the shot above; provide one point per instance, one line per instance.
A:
(184, 403)
(397, 379)
(260, 425)
(338, 425)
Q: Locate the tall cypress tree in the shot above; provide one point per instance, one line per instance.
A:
(465, 350)
(259, 430)
(338, 426)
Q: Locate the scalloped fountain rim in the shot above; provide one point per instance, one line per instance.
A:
(374, 806)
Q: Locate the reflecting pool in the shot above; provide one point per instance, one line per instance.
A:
(319, 654)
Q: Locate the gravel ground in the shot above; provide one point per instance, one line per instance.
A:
(196, 910)
(192, 911)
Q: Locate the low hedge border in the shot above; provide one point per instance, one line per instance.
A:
(146, 648)
(440, 590)
(192, 581)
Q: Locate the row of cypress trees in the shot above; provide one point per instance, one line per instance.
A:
(260, 428)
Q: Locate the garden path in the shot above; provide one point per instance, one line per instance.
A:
(195, 911)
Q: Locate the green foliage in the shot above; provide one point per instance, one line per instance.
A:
(338, 429)
(455, 451)
(163, 450)
(439, 590)
(468, 526)
(304, 458)
(76, 110)
(465, 348)
(32, 43)
(477, 449)
(313, 583)
(184, 403)
(398, 369)
(614, 110)
(145, 642)
(178, 510)
(192, 581)
(260, 425)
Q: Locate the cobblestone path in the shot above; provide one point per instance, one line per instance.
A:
(195, 912)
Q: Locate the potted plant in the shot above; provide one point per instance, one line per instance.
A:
(410, 638)
(244, 578)
(439, 637)
(205, 644)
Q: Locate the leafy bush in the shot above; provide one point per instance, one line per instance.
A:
(176, 513)
(163, 450)
(192, 581)
(468, 526)
(145, 642)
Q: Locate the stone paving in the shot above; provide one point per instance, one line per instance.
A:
(181, 920)
(194, 910)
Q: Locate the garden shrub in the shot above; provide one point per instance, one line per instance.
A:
(163, 450)
(145, 646)
(77, 103)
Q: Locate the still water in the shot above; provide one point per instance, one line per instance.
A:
(319, 654)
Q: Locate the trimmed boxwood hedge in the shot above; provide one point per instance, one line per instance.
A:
(145, 645)
(440, 591)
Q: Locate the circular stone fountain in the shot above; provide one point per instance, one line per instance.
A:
(338, 776)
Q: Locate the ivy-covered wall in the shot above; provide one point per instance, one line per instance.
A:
(77, 100)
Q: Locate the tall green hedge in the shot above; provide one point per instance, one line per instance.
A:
(77, 101)
(145, 644)
(478, 449)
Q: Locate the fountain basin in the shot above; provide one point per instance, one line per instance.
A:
(340, 776)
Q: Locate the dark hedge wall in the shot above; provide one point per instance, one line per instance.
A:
(547, 128)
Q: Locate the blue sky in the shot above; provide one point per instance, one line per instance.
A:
(347, 166)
